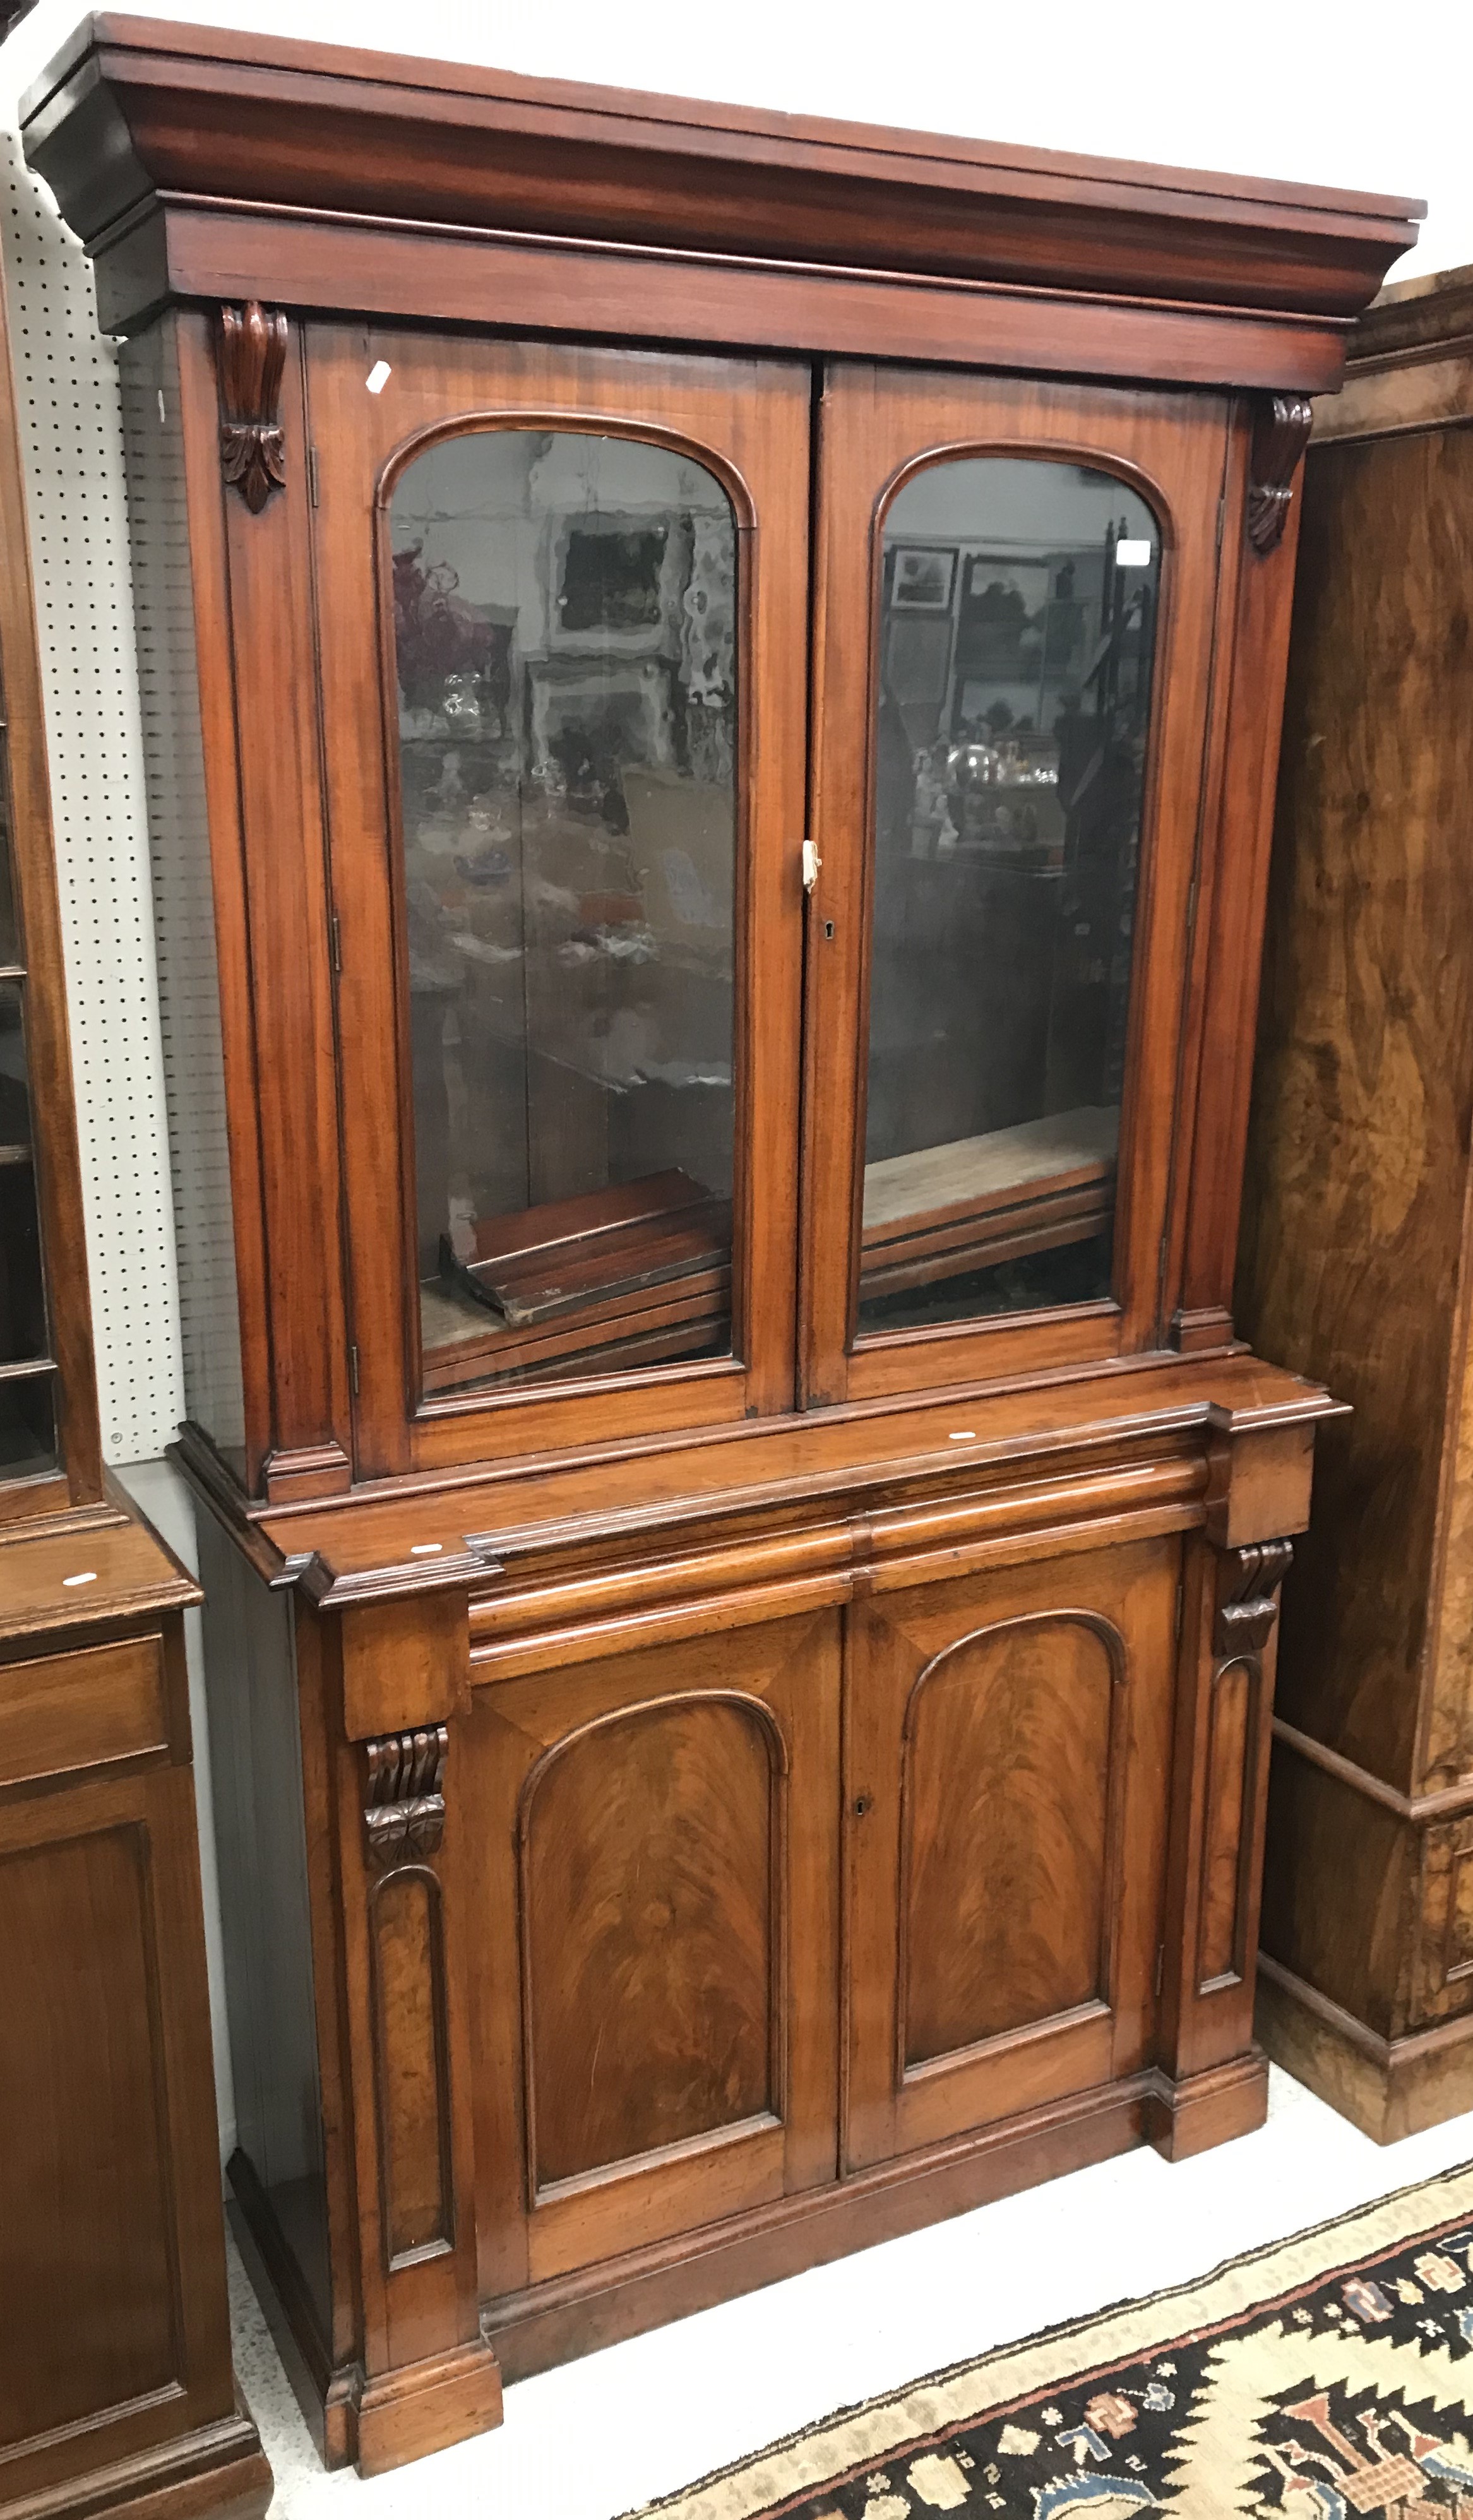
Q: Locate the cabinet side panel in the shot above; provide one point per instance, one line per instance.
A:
(1444, 1750)
(1364, 1094)
(260, 1828)
(1337, 1880)
(183, 898)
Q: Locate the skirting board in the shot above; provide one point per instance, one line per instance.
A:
(600, 2304)
(1387, 2087)
(219, 2472)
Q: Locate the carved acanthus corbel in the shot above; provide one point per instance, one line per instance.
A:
(1249, 1602)
(1280, 436)
(252, 357)
(405, 1815)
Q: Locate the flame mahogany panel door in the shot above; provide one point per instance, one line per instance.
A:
(941, 935)
(655, 1893)
(565, 779)
(1007, 1763)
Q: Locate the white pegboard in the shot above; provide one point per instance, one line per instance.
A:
(71, 442)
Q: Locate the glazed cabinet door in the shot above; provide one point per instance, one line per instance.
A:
(562, 603)
(1019, 604)
(656, 1890)
(1008, 1775)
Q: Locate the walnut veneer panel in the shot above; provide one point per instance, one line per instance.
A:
(1357, 1259)
(1353, 1230)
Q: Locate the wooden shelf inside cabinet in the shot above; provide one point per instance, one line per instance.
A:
(710, 1157)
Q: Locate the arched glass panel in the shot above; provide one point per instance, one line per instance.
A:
(565, 624)
(1017, 629)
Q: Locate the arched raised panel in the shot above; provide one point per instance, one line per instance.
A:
(1010, 1790)
(651, 1882)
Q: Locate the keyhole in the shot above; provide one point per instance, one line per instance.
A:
(863, 1804)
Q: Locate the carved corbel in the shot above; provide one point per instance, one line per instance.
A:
(252, 358)
(405, 1815)
(1280, 436)
(1249, 1603)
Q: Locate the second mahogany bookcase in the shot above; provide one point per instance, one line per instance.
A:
(717, 681)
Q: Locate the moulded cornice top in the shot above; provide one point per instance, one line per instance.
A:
(1428, 317)
(136, 110)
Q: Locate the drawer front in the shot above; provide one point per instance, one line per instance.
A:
(82, 1709)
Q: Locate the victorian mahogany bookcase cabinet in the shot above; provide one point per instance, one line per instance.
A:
(116, 2385)
(1357, 1259)
(722, 677)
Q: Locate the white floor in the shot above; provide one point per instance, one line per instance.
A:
(603, 2436)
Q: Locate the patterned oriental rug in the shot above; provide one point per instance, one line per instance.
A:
(1329, 2375)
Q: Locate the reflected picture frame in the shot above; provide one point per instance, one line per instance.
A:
(924, 578)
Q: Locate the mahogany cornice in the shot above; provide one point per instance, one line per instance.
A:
(134, 111)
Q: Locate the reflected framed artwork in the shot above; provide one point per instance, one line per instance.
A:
(923, 580)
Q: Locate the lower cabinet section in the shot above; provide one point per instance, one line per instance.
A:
(662, 1949)
(115, 2383)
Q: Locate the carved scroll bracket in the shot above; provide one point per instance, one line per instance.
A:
(1280, 436)
(1249, 1605)
(252, 358)
(405, 1815)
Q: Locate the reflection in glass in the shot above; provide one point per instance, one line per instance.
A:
(1018, 619)
(565, 615)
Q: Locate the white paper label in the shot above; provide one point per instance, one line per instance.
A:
(1129, 555)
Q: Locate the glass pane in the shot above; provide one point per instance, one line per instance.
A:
(564, 616)
(15, 1099)
(23, 1303)
(10, 925)
(27, 1427)
(1017, 627)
